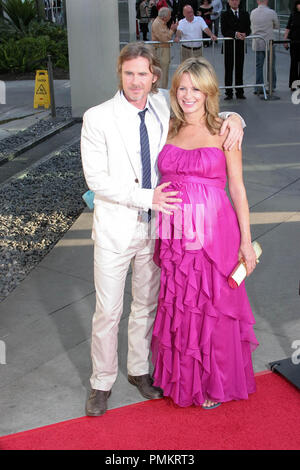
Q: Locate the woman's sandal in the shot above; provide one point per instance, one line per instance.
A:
(212, 406)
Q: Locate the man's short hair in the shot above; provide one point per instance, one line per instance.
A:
(133, 50)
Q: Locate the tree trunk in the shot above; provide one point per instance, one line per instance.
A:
(64, 7)
(1, 10)
(40, 8)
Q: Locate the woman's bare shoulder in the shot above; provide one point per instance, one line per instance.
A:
(220, 139)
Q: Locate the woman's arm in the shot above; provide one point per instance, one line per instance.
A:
(239, 198)
(286, 35)
(287, 30)
(235, 124)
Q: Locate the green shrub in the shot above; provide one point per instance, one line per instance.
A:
(45, 28)
(59, 54)
(25, 48)
(20, 13)
(8, 31)
(34, 29)
(25, 55)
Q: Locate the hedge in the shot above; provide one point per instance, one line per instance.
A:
(21, 53)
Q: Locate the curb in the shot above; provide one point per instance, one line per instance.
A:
(54, 153)
(32, 143)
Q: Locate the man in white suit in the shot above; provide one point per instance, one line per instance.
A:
(113, 146)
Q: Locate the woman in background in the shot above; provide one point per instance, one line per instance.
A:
(205, 10)
(144, 18)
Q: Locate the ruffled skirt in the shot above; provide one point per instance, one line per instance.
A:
(203, 332)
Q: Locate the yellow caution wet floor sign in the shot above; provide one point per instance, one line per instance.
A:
(42, 89)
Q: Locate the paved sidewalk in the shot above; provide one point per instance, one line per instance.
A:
(46, 321)
(19, 111)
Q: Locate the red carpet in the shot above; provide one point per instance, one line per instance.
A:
(269, 419)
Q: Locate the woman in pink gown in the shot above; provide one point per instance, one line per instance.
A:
(203, 333)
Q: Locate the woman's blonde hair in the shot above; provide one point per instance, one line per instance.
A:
(204, 78)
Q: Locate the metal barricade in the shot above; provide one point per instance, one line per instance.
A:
(203, 40)
(271, 52)
(271, 48)
(283, 20)
(248, 85)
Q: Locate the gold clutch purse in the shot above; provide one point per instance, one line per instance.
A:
(240, 271)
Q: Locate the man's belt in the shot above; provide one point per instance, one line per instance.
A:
(195, 48)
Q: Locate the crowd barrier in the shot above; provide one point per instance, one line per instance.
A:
(271, 48)
(223, 39)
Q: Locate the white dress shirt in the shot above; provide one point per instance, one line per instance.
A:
(192, 30)
(154, 129)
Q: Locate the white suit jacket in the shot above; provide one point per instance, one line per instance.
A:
(107, 151)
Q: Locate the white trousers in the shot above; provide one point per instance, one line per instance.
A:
(110, 271)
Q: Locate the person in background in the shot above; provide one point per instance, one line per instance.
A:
(215, 16)
(161, 4)
(235, 23)
(205, 9)
(153, 10)
(183, 3)
(263, 21)
(173, 5)
(292, 32)
(166, 4)
(160, 32)
(191, 27)
(144, 18)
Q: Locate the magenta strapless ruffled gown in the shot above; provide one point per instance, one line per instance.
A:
(203, 332)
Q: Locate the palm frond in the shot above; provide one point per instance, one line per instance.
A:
(19, 12)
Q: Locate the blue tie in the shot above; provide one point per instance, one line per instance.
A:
(145, 157)
(145, 152)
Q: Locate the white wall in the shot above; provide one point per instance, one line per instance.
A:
(93, 36)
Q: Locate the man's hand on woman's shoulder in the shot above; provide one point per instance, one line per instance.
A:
(234, 125)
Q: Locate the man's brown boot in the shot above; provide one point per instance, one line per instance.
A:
(144, 384)
(97, 402)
